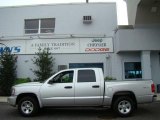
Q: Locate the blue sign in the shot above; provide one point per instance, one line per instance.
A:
(14, 49)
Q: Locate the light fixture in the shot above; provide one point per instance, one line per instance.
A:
(16, 38)
(88, 35)
(58, 36)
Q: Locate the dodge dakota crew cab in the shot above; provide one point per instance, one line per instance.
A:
(82, 87)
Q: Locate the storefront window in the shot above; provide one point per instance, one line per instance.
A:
(132, 70)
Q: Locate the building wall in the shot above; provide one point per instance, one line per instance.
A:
(145, 15)
(128, 44)
(68, 18)
(155, 67)
(25, 64)
(113, 64)
(139, 38)
(144, 37)
(132, 10)
(143, 12)
(132, 43)
(69, 21)
(118, 61)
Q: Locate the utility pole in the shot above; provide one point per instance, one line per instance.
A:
(87, 1)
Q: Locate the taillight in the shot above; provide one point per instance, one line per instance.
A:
(153, 88)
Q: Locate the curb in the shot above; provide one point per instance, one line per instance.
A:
(3, 99)
(158, 97)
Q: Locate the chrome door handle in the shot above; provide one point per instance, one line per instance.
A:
(95, 86)
(68, 87)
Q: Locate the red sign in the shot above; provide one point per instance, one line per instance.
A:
(96, 49)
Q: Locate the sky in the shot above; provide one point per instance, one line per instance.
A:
(121, 6)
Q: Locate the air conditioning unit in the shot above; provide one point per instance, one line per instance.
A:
(87, 19)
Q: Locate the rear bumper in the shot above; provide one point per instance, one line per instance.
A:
(146, 99)
(12, 100)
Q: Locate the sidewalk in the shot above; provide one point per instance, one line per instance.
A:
(158, 97)
(4, 99)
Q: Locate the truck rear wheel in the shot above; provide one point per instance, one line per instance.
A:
(28, 106)
(124, 106)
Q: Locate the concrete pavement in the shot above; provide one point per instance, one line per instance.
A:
(158, 97)
(4, 99)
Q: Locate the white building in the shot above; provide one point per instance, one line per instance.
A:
(81, 35)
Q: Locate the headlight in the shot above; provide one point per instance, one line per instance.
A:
(13, 91)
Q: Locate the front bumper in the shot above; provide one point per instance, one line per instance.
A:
(12, 100)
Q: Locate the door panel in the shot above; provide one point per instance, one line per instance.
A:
(59, 91)
(58, 95)
(87, 95)
(87, 89)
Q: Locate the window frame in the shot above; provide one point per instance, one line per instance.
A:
(39, 26)
(134, 70)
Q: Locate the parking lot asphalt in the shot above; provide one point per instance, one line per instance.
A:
(144, 112)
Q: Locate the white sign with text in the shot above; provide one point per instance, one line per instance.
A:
(54, 45)
(96, 45)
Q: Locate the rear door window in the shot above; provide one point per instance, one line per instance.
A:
(86, 76)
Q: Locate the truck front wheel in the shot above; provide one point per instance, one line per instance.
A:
(28, 106)
(124, 106)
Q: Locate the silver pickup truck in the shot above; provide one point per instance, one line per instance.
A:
(82, 87)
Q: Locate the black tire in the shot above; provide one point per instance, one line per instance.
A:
(124, 106)
(28, 106)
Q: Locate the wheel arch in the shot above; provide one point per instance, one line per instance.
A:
(33, 95)
(124, 93)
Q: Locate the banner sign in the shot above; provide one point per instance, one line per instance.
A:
(72, 45)
(96, 45)
(13, 46)
(54, 45)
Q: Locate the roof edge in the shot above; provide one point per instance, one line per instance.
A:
(55, 4)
